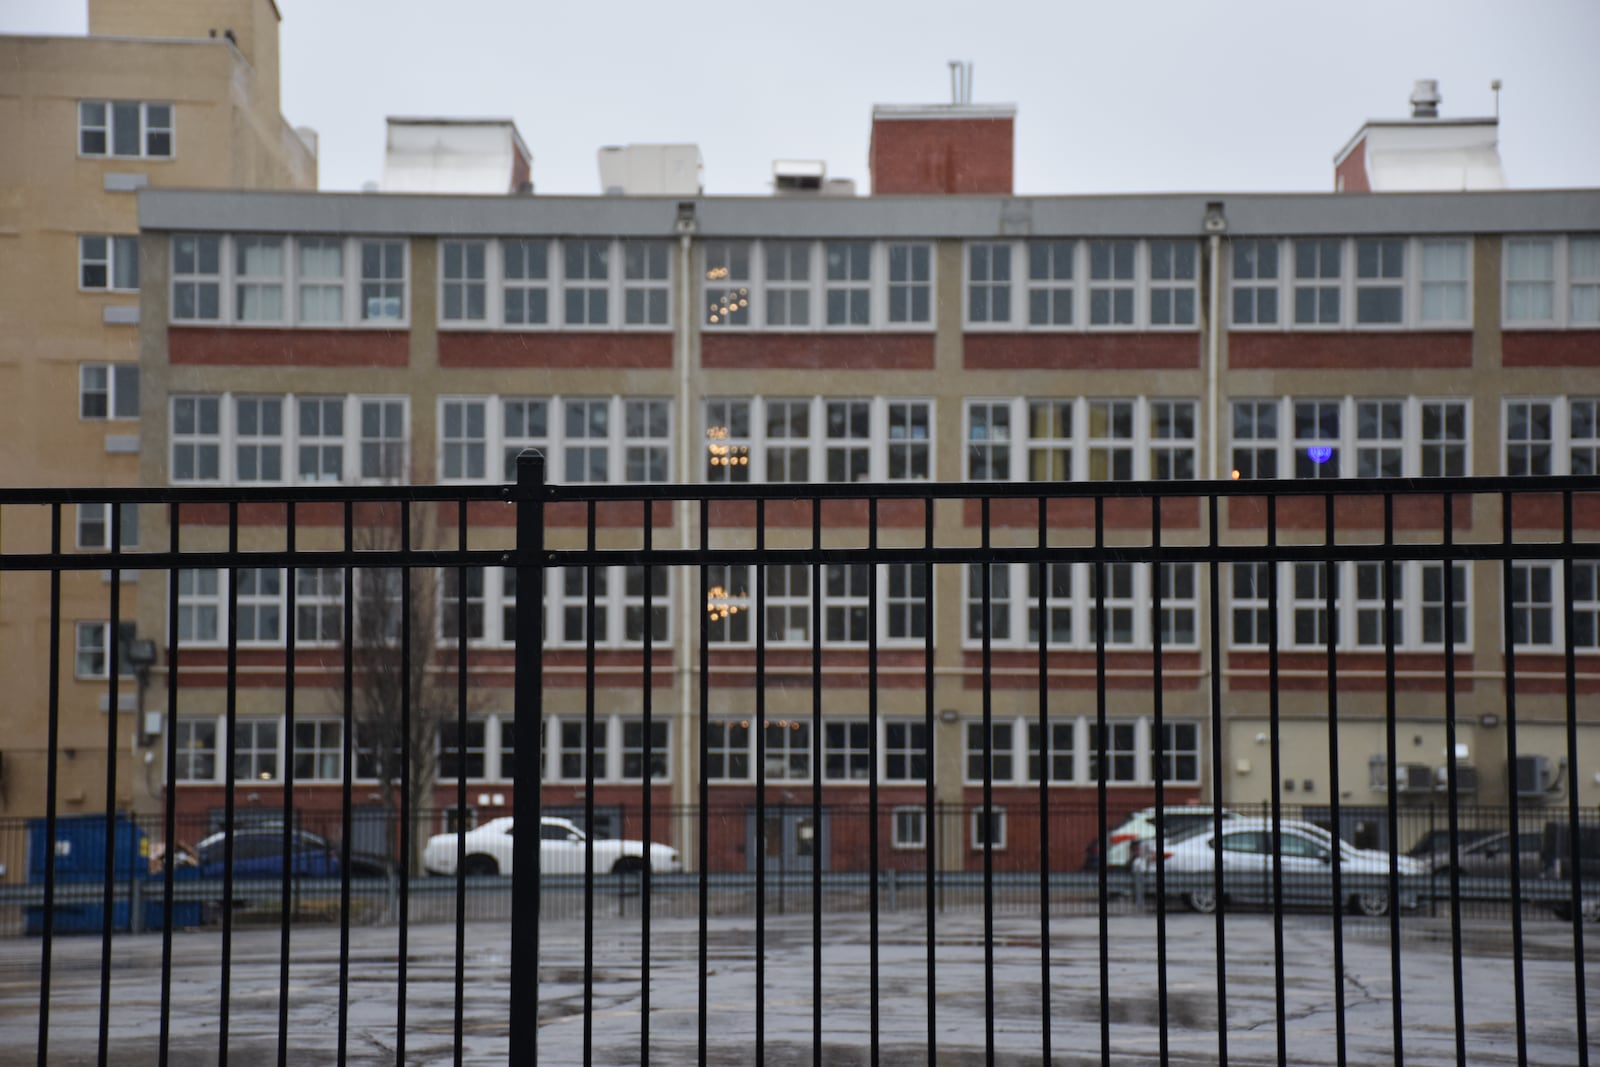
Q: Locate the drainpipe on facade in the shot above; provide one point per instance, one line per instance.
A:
(685, 226)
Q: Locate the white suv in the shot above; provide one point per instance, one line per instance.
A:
(1178, 821)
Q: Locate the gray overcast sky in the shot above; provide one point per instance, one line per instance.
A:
(1133, 96)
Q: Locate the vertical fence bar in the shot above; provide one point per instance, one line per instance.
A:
(647, 776)
(1447, 569)
(1331, 606)
(460, 752)
(704, 792)
(170, 801)
(761, 784)
(113, 665)
(931, 828)
(872, 783)
(590, 643)
(289, 837)
(1101, 828)
(1046, 774)
(51, 789)
(1508, 640)
(987, 820)
(347, 789)
(1274, 728)
(817, 851)
(231, 716)
(1158, 707)
(1214, 568)
(1568, 623)
(529, 712)
(1390, 743)
(402, 947)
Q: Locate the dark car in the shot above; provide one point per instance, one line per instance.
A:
(1556, 852)
(258, 853)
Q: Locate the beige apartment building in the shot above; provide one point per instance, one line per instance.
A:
(160, 93)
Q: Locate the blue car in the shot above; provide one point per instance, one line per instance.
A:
(258, 853)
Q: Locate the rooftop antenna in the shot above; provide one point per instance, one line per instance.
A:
(1495, 86)
(960, 82)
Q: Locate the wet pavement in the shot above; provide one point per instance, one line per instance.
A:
(962, 1022)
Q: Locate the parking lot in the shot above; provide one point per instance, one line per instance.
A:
(1075, 992)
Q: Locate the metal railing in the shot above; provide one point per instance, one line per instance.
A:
(863, 940)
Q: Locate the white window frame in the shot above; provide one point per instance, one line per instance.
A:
(464, 284)
(294, 279)
(1355, 602)
(326, 744)
(1523, 571)
(1166, 255)
(317, 604)
(265, 442)
(262, 283)
(641, 278)
(94, 526)
(613, 601)
(313, 286)
(1256, 282)
(118, 390)
(997, 821)
(851, 285)
(116, 257)
(524, 280)
(985, 280)
(917, 261)
(151, 129)
(254, 605)
(190, 749)
(908, 828)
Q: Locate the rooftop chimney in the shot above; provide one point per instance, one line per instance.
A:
(1425, 99)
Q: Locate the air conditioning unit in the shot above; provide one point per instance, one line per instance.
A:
(1466, 779)
(1532, 775)
(1413, 778)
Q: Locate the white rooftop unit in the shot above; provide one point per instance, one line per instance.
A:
(651, 170)
(1425, 152)
(439, 155)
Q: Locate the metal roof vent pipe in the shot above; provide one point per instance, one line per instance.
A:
(1425, 99)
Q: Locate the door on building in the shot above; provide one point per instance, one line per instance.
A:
(793, 840)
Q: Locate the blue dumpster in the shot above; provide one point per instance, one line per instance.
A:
(79, 849)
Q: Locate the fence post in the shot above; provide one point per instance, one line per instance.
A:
(529, 559)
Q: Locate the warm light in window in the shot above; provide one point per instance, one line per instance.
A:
(719, 605)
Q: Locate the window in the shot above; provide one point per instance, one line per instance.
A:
(1380, 281)
(1177, 756)
(1372, 603)
(508, 606)
(1121, 747)
(587, 444)
(1001, 759)
(1316, 282)
(634, 736)
(1049, 440)
(909, 828)
(905, 751)
(461, 752)
(1255, 283)
(318, 750)
(844, 613)
(849, 435)
(196, 439)
(1110, 444)
(199, 606)
(1583, 435)
(124, 128)
(1310, 611)
(1380, 438)
(847, 286)
(586, 283)
(525, 275)
(1118, 619)
(1179, 604)
(647, 433)
(727, 288)
(788, 452)
(1050, 283)
(644, 283)
(728, 751)
(1583, 274)
(1585, 605)
(572, 604)
(258, 279)
(196, 750)
(383, 281)
(383, 439)
(999, 618)
(109, 263)
(320, 263)
(260, 607)
(846, 751)
(1252, 619)
(1172, 439)
(572, 750)
(196, 278)
(910, 431)
(1174, 267)
(988, 441)
(1111, 283)
(108, 391)
(462, 597)
(1433, 604)
(464, 287)
(1062, 761)
(92, 654)
(989, 283)
(319, 605)
(1054, 602)
(910, 283)
(788, 293)
(1533, 604)
(1530, 280)
(524, 423)
(255, 753)
(463, 439)
(1316, 438)
(788, 744)
(1255, 438)
(1444, 438)
(1444, 282)
(258, 438)
(94, 526)
(727, 441)
(320, 439)
(789, 604)
(907, 601)
(990, 831)
(633, 608)
(1529, 441)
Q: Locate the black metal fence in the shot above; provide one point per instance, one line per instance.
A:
(967, 946)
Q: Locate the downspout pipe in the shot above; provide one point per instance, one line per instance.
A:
(685, 353)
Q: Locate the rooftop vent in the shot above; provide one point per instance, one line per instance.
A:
(798, 176)
(1425, 99)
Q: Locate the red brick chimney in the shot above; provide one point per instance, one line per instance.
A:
(929, 149)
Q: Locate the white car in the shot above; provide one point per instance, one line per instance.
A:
(1128, 839)
(1308, 855)
(562, 850)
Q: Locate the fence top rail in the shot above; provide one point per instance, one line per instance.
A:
(1339, 488)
